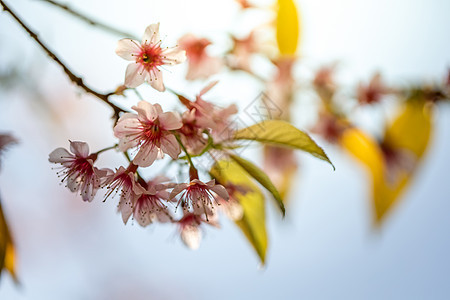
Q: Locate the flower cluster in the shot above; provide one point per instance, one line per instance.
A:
(150, 133)
(145, 135)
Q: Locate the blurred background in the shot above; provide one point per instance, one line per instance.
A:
(326, 248)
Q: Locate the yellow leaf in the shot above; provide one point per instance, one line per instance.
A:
(261, 177)
(364, 149)
(392, 164)
(6, 247)
(288, 27)
(407, 137)
(282, 133)
(412, 128)
(253, 223)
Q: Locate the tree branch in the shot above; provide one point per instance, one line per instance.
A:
(90, 21)
(75, 79)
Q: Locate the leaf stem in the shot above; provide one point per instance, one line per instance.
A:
(107, 148)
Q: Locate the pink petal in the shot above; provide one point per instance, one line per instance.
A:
(204, 68)
(125, 207)
(191, 236)
(146, 156)
(151, 34)
(127, 124)
(128, 142)
(207, 88)
(128, 49)
(60, 156)
(173, 56)
(73, 182)
(170, 121)
(169, 145)
(134, 75)
(146, 111)
(156, 80)
(221, 191)
(80, 149)
(233, 210)
(178, 189)
(89, 189)
(158, 108)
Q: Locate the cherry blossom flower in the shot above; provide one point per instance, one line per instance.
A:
(324, 78)
(373, 91)
(329, 126)
(150, 131)
(324, 82)
(192, 133)
(189, 227)
(199, 196)
(124, 180)
(201, 65)
(204, 115)
(216, 119)
(148, 57)
(242, 51)
(150, 206)
(78, 169)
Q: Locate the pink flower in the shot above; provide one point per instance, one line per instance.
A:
(201, 65)
(330, 126)
(124, 180)
(199, 196)
(149, 130)
(78, 169)
(192, 133)
(242, 52)
(190, 229)
(216, 119)
(204, 115)
(150, 206)
(324, 81)
(372, 92)
(148, 57)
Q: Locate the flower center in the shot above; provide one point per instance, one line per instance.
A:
(150, 56)
(152, 132)
(145, 58)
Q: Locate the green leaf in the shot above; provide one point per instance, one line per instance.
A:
(253, 223)
(282, 133)
(261, 177)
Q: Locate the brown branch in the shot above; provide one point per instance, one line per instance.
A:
(75, 79)
(90, 21)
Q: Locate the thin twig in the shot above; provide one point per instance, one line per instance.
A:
(75, 79)
(90, 21)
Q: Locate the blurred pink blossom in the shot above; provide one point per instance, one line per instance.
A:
(201, 65)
